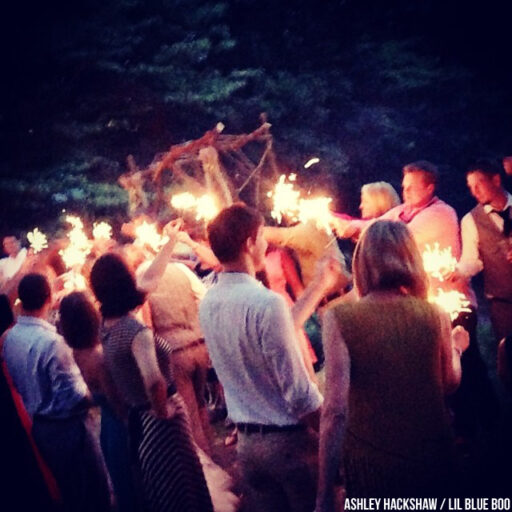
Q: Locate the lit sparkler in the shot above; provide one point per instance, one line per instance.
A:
(38, 240)
(79, 245)
(102, 230)
(289, 203)
(453, 302)
(147, 234)
(316, 210)
(205, 206)
(286, 199)
(438, 262)
(183, 201)
(74, 281)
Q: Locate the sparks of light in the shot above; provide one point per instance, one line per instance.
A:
(74, 281)
(311, 161)
(183, 201)
(147, 234)
(453, 302)
(79, 245)
(286, 200)
(38, 240)
(289, 203)
(102, 230)
(316, 210)
(75, 221)
(206, 208)
(438, 262)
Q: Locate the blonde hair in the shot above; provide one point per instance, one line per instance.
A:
(387, 258)
(382, 195)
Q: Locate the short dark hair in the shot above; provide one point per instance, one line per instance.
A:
(229, 231)
(79, 321)
(33, 291)
(428, 170)
(485, 167)
(114, 286)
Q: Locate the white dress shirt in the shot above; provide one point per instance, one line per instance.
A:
(253, 347)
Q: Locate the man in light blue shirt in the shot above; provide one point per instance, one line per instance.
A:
(251, 340)
(57, 399)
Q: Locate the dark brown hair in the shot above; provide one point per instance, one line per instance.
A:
(229, 231)
(33, 291)
(485, 167)
(114, 286)
(79, 321)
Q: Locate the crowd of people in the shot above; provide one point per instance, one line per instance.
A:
(403, 397)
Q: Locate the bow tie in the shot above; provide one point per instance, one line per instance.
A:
(507, 221)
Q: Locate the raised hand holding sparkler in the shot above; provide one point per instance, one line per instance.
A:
(38, 240)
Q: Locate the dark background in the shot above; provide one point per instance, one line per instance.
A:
(367, 86)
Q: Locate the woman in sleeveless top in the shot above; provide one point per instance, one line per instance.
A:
(160, 438)
(79, 324)
(390, 360)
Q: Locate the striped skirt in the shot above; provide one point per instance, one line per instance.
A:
(171, 474)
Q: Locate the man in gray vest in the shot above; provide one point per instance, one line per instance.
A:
(487, 243)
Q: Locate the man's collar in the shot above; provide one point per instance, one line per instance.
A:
(488, 208)
(32, 320)
(409, 212)
(237, 277)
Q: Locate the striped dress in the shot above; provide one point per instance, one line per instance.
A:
(170, 472)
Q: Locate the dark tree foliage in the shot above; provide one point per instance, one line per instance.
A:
(367, 86)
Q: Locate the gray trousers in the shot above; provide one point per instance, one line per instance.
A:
(279, 470)
(73, 455)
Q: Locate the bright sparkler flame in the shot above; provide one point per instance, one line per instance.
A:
(289, 203)
(75, 221)
(79, 245)
(286, 200)
(147, 234)
(453, 302)
(74, 281)
(205, 206)
(316, 210)
(102, 230)
(38, 240)
(183, 201)
(438, 262)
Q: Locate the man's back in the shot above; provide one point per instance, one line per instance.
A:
(251, 341)
(43, 369)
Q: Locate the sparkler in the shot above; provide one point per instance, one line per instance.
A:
(289, 203)
(79, 245)
(74, 281)
(147, 234)
(38, 240)
(102, 230)
(205, 206)
(286, 199)
(438, 262)
(453, 302)
(184, 201)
